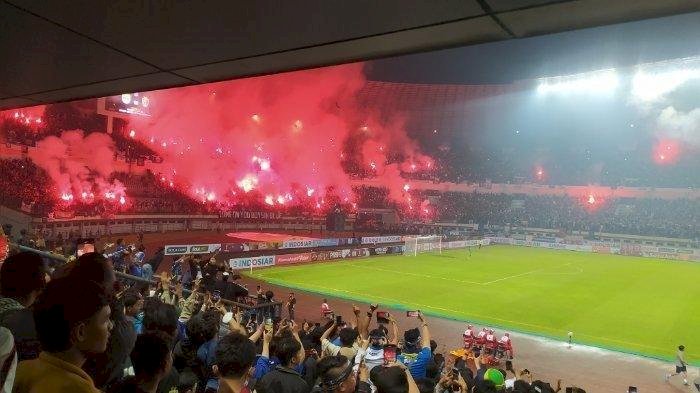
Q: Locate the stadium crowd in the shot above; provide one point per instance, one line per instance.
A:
(77, 328)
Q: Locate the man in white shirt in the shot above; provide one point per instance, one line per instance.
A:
(680, 365)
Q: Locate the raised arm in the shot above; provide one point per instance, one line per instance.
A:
(426, 333)
(294, 327)
(394, 331)
(328, 332)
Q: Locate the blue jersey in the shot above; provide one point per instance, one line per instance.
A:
(416, 362)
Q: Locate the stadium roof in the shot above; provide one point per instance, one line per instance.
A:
(66, 50)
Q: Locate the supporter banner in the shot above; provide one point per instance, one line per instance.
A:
(290, 259)
(251, 215)
(310, 243)
(381, 239)
(246, 263)
(181, 249)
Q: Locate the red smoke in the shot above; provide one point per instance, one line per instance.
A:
(281, 139)
(80, 166)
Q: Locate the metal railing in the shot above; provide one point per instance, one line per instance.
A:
(135, 279)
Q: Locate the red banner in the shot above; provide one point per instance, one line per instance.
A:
(290, 259)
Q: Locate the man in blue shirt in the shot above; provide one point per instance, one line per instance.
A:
(416, 353)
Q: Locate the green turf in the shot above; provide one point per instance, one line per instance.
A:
(638, 305)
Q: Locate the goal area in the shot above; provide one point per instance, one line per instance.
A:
(413, 245)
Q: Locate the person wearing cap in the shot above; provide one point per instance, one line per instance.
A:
(680, 365)
(337, 375)
(416, 352)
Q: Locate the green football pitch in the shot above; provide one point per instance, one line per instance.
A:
(638, 305)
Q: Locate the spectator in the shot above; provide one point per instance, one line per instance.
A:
(8, 360)
(284, 378)
(395, 378)
(336, 375)
(133, 308)
(234, 357)
(72, 320)
(161, 317)
(22, 278)
(152, 360)
(416, 352)
(348, 342)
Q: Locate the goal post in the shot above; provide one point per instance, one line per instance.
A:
(420, 244)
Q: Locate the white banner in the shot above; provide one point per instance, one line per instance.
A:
(381, 239)
(181, 249)
(246, 263)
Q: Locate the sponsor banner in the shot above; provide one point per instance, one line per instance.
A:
(234, 247)
(246, 263)
(251, 215)
(310, 243)
(264, 245)
(290, 259)
(180, 249)
(381, 239)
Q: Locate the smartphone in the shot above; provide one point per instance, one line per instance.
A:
(454, 373)
(632, 389)
(389, 354)
(338, 319)
(413, 314)
(268, 324)
(215, 296)
(382, 317)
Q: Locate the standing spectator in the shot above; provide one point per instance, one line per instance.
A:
(284, 378)
(72, 320)
(234, 357)
(291, 304)
(139, 258)
(22, 278)
(133, 306)
(118, 256)
(336, 375)
(416, 352)
(152, 360)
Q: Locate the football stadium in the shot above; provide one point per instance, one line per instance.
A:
(474, 196)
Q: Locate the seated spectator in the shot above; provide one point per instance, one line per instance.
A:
(234, 357)
(72, 321)
(416, 352)
(22, 278)
(336, 375)
(284, 378)
(152, 360)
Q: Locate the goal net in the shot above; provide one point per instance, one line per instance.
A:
(417, 244)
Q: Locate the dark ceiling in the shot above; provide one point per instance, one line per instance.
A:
(65, 50)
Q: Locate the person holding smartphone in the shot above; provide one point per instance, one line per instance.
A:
(416, 352)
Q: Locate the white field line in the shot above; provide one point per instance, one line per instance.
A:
(463, 281)
(458, 312)
(415, 274)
